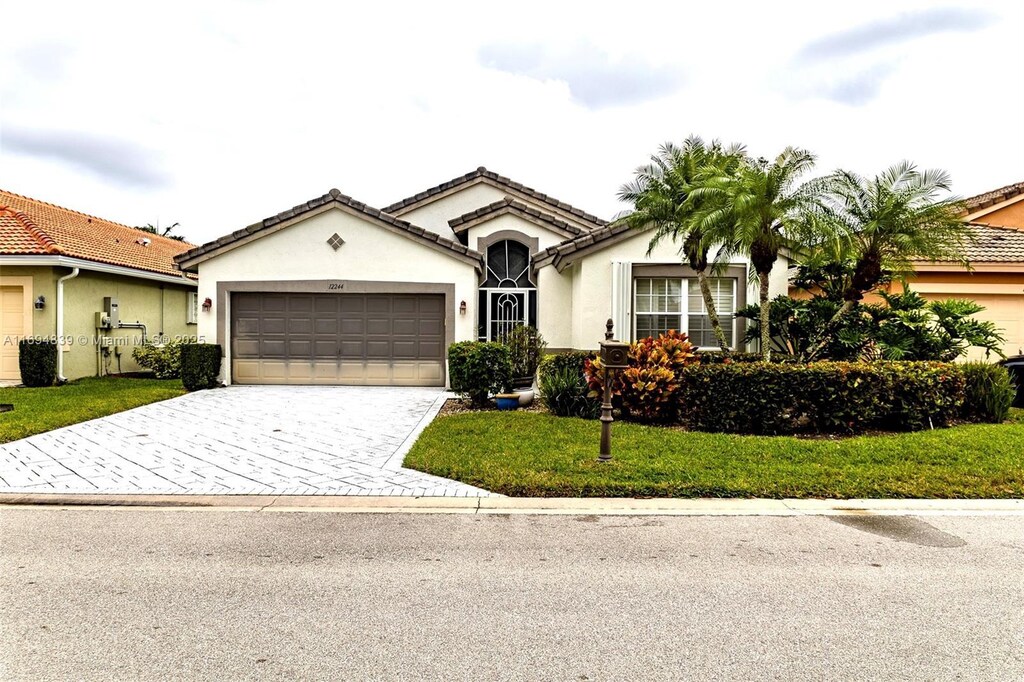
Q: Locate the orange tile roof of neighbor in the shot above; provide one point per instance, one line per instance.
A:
(32, 227)
(996, 196)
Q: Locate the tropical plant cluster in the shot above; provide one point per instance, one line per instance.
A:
(564, 390)
(851, 235)
(648, 390)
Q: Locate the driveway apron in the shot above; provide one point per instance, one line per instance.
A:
(287, 440)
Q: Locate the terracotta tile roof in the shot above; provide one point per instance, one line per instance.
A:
(501, 181)
(33, 227)
(512, 205)
(996, 196)
(335, 196)
(995, 244)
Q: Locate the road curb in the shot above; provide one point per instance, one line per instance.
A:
(518, 505)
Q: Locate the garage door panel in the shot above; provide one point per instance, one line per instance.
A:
(352, 325)
(354, 348)
(325, 348)
(338, 338)
(378, 348)
(273, 325)
(272, 348)
(326, 325)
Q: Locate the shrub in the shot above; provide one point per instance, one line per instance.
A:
(574, 359)
(163, 359)
(200, 365)
(989, 392)
(477, 369)
(647, 389)
(821, 397)
(564, 391)
(37, 361)
(526, 346)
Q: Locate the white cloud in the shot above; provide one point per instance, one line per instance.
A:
(244, 109)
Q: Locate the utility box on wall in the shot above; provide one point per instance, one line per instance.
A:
(111, 308)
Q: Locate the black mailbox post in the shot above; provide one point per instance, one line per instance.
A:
(614, 357)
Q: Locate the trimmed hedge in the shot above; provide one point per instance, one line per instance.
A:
(989, 392)
(37, 361)
(200, 365)
(716, 357)
(824, 397)
(476, 369)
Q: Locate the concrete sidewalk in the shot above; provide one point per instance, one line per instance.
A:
(526, 505)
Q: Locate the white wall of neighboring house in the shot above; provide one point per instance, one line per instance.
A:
(435, 215)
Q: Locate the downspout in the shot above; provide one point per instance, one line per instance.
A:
(60, 323)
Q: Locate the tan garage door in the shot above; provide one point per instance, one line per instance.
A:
(348, 339)
(12, 327)
(1006, 311)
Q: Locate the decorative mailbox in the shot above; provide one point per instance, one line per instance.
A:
(614, 357)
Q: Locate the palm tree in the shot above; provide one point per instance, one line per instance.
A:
(884, 224)
(660, 194)
(162, 231)
(758, 210)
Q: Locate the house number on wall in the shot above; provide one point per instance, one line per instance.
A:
(335, 285)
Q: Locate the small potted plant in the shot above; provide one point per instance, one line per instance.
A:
(526, 348)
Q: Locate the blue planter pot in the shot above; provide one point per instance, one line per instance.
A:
(510, 402)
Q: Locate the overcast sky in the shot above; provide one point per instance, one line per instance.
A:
(217, 114)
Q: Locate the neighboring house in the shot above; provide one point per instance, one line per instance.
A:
(59, 267)
(336, 292)
(996, 278)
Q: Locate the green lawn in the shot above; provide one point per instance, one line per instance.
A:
(533, 454)
(42, 409)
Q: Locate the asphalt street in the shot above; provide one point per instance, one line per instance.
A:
(217, 595)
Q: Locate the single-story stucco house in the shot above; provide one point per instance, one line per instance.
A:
(996, 255)
(333, 291)
(62, 271)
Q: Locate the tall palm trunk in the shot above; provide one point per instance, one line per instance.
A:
(709, 303)
(829, 330)
(766, 332)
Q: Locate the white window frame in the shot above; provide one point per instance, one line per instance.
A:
(684, 305)
(192, 307)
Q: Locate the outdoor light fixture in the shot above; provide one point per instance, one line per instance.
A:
(207, 304)
(462, 308)
(40, 303)
(614, 357)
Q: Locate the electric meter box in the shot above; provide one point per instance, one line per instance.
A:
(111, 308)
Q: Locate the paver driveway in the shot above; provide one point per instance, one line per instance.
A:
(296, 440)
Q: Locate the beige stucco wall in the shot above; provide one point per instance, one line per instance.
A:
(1011, 215)
(555, 306)
(435, 215)
(510, 221)
(370, 253)
(161, 307)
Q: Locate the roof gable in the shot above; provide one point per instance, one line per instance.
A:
(562, 254)
(32, 227)
(510, 205)
(988, 202)
(481, 174)
(333, 198)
